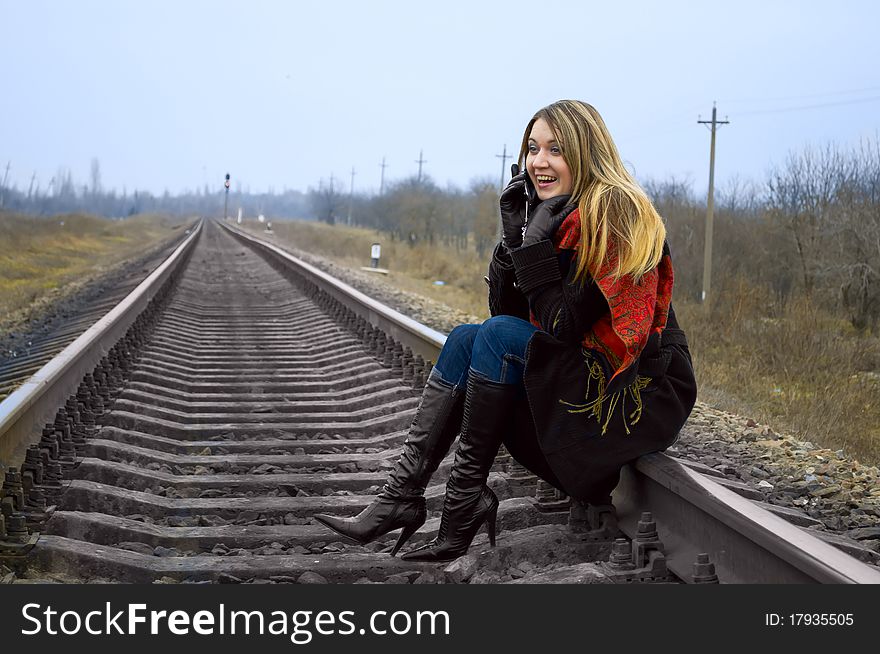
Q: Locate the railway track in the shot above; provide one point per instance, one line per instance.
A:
(23, 356)
(191, 434)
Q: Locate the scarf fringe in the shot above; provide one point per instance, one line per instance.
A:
(597, 406)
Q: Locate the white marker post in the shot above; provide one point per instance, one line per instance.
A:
(375, 253)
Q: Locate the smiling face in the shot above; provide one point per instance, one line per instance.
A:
(545, 164)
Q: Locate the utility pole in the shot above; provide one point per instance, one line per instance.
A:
(332, 202)
(3, 188)
(504, 157)
(351, 194)
(420, 161)
(710, 205)
(383, 166)
(31, 187)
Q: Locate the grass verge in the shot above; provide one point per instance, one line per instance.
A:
(45, 258)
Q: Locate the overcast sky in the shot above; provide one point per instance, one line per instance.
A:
(173, 94)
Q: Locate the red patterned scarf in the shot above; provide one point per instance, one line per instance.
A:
(637, 309)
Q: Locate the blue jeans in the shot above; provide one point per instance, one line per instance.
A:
(495, 350)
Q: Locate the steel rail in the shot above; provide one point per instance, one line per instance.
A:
(746, 543)
(24, 413)
(694, 514)
(420, 339)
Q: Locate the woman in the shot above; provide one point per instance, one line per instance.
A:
(582, 366)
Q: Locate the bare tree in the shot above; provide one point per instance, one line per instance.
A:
(740, 195)
(485, 219)
(801, 195)
(65, 189)
(326, 201)
(858, 237)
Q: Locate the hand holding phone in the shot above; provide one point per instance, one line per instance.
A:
(530, 191)
(514, 204)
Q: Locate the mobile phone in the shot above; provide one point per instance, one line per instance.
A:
(528, 189)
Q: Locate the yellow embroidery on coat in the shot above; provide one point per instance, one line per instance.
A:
(556, 320)
(596, 406)
(635, 391)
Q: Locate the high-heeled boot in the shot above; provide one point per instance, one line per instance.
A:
(401, 502)
(469, 503)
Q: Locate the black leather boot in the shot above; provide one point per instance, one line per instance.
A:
(469, 502)
(401, 502)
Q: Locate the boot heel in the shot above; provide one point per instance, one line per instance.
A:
(408, 531)
(490, 525)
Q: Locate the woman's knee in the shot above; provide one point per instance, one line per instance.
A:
(503, 333)
(455, 357)
(462, 336)
(501, 321)
(459, 344)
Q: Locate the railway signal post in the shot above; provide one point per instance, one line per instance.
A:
(226, 199)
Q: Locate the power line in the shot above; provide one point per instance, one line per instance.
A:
(808, 106)
(805, 96)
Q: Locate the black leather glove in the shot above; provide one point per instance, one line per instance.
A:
(546, 219)
(513, 211)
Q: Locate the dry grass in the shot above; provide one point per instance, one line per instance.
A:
(793, 367)
(797, 368)
(45, 258)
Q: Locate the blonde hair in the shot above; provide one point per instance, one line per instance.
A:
(611, 203)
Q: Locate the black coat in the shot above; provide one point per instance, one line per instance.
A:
(585, 453)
